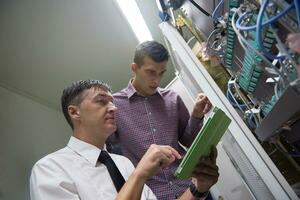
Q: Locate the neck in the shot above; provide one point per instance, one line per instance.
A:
(137, 88)
(93, 139)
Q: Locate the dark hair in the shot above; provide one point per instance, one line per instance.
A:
(72, 95)
(152, 49)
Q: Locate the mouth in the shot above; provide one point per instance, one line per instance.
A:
(110, 119)
(153, 87)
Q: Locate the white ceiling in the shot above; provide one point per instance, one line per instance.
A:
(47, 44)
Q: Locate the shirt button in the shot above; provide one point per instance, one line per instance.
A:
(171, 183)
(150, 113)
(154, 130)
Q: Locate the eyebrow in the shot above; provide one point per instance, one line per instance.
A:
(104, 95)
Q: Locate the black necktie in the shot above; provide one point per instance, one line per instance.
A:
(113, 170)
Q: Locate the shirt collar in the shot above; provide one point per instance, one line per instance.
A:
(86, 150)
(130, 90)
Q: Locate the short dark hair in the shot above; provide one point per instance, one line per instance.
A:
(72, 95)
(152, 49)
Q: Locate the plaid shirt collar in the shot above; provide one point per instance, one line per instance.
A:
(131, 91)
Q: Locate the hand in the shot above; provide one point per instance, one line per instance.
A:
(202, 106)
(293, 41)
(156, 157)
(206, 172)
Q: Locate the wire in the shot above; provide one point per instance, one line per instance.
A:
(252, 124)
(209, 38)
(213, 15)
(265, 23)
(200, 8)
(286, 153)
(297, 6)
(193, 37)
(259, 31)
(231, 97)
(244, 42)
(243, 108)
(285, 52)
(245, 102)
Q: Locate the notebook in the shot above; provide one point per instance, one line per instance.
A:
(210, 134)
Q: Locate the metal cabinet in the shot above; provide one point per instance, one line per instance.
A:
(238, 149)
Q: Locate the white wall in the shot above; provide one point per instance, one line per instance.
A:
(28, 131)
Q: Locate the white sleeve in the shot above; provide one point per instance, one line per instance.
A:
(48, 182)
(148, 194)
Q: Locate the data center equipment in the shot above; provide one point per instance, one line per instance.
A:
(236, 52)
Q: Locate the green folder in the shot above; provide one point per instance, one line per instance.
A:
(209, 136)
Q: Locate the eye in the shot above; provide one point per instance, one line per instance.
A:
(152, 73)
(162, 73)
(102, 101)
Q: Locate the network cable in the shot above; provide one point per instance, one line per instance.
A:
(244, 42)
(200, 8)
(259, 31)
(264, 23)
(213, 15)
(297, 6)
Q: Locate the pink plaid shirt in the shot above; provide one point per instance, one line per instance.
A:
(161, 119)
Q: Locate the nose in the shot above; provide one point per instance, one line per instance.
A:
(112, 107)
(156, 81)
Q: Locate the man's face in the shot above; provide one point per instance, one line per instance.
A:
(97, 111)
(148, 76)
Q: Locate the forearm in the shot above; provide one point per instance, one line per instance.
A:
(191, 130)
(132, 189)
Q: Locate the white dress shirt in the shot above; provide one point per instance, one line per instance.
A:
(73, 173)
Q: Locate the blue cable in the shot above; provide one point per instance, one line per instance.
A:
(252, 124)
(217, 8)
(259, 30)
(297, 6)
(265, 23)
(230, 98)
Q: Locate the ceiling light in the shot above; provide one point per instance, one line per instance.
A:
(134, 17)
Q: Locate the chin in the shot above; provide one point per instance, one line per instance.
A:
(151, 92)
(112, 128)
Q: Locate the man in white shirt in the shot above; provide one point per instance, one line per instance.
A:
(74, 171)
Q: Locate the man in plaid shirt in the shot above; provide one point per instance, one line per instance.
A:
(148, 115)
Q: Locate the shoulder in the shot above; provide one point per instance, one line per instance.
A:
(120, 97)
(121, 93)
(53, 161)
(169, 95)
(167, 92)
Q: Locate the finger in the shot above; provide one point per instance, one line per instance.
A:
(213, 154)
(205, 178)
(165, 160)
(208, 168)
(206, 162)
(292, 36)
(201, 97)
(170, 152)
(207, 108)
(206, 171)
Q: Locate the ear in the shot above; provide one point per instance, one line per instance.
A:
(134, 67)
(73, 111)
